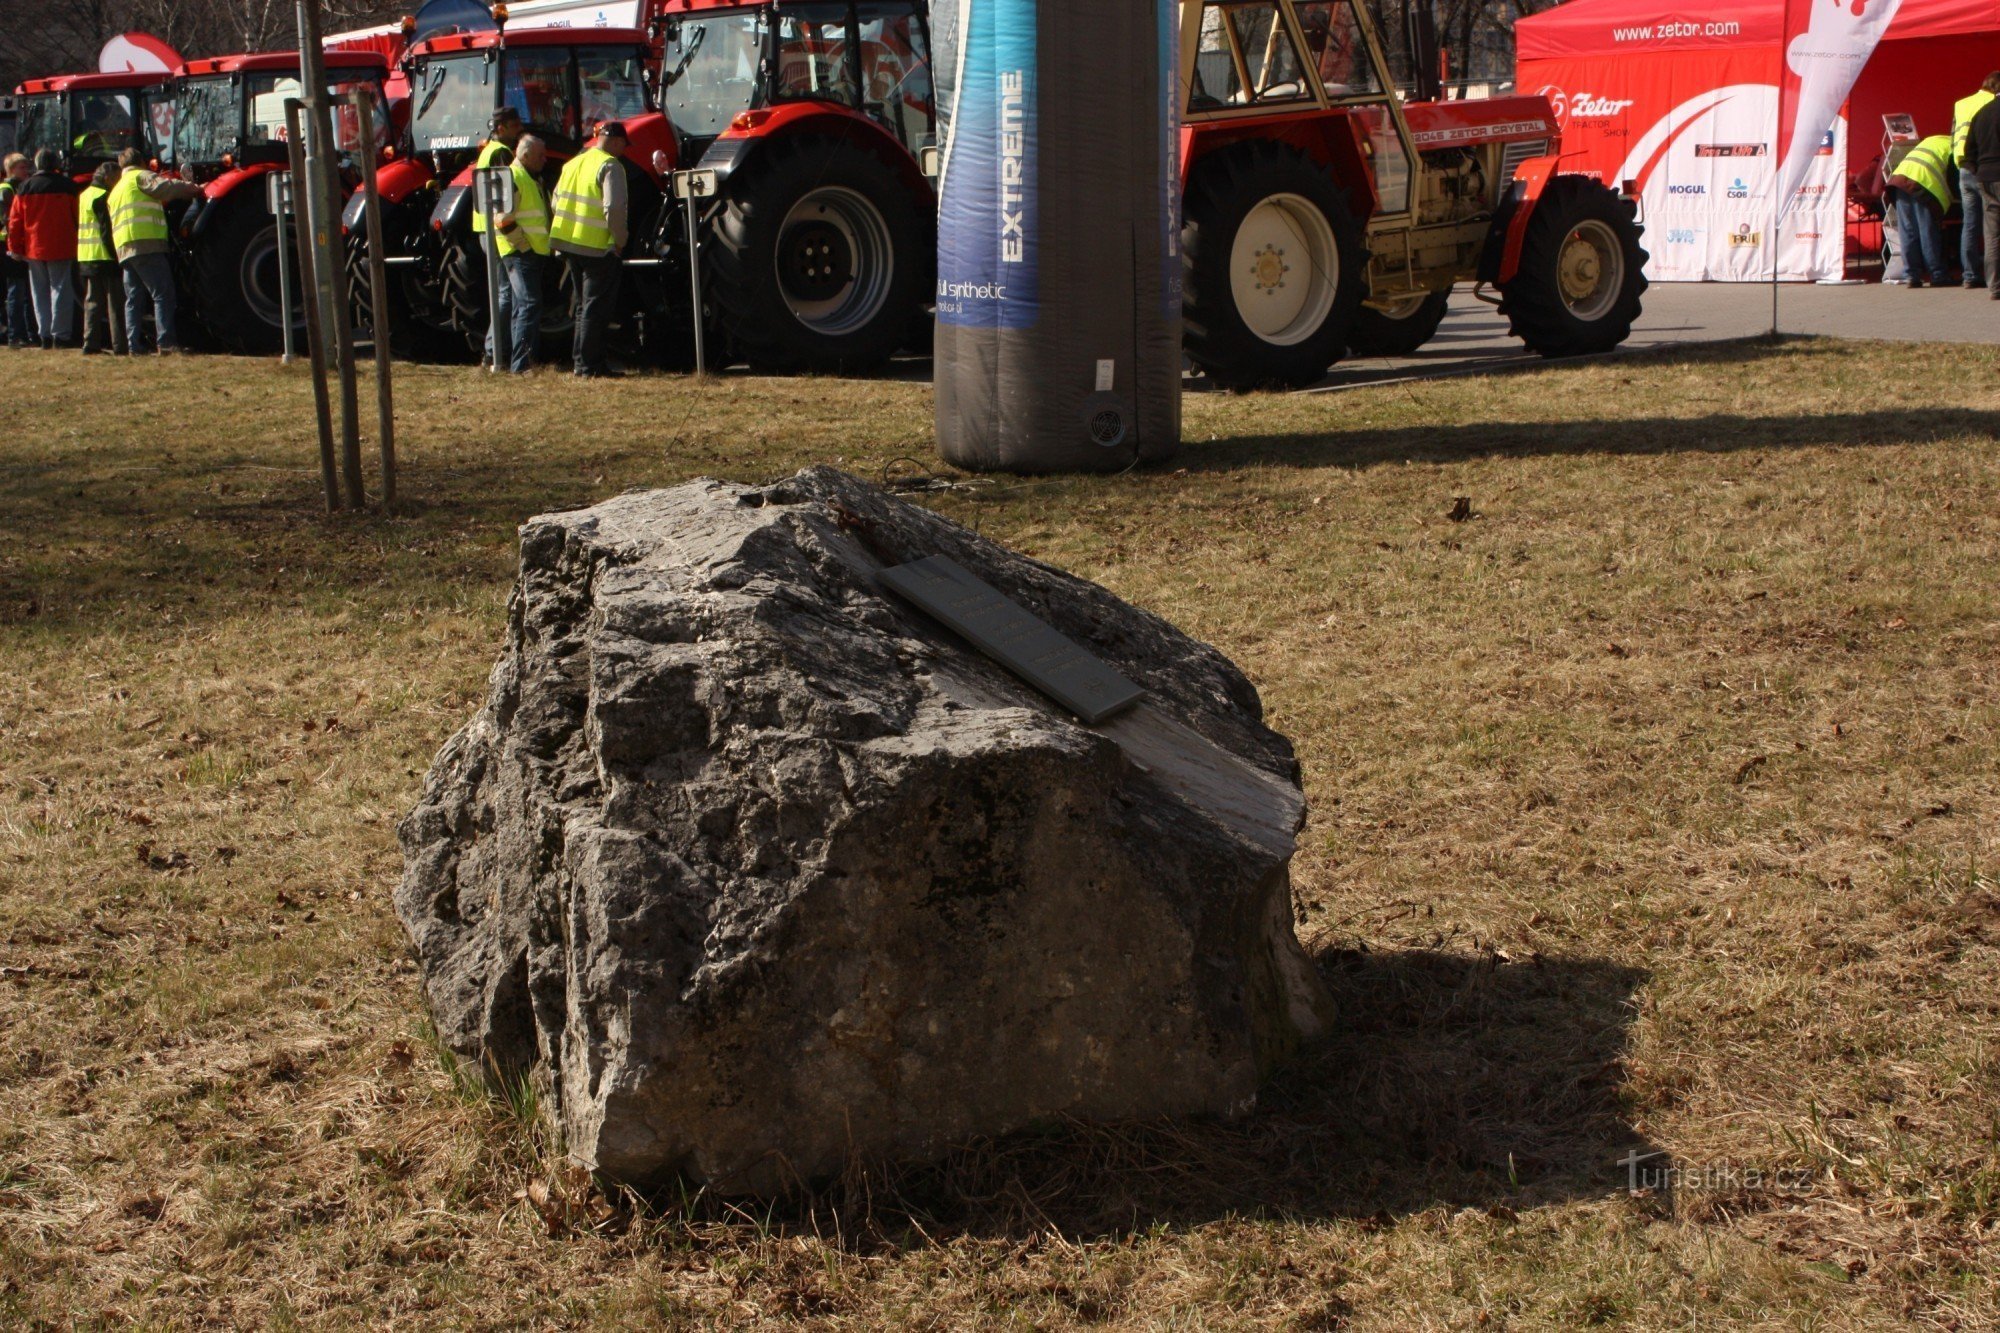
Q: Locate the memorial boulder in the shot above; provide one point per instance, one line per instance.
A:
(755, 866)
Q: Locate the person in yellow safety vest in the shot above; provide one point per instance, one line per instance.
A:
(498, 151)
(1921, 178)
(97, 261)
(587, 228)
(1971, 243)
(21, 330)
(522, 242)
(139, 233)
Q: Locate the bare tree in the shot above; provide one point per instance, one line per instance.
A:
(64, 36)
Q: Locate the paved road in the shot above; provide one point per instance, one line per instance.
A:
(1474, 337)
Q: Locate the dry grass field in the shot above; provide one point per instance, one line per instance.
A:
(1653, 813)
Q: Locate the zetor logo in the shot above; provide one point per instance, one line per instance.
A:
(1585, 106)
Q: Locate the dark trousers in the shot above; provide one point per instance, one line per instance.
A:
(1992, 194)
(1972, 247)
(20, 302)
(103, 307)
(521, 308)
(596, 279)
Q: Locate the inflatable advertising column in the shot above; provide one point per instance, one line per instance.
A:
(1058, 301)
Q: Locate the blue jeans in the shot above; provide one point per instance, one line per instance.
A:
(521, 308)
(20, 304)
(1921, 226)
(1972, 239)
(150, 278)
(55, 300)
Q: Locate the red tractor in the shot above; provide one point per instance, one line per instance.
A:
(231, 134)
(562, 81)
(819, 249)
(1325, 214)
(91, 118)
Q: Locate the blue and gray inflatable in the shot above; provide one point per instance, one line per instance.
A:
(1058, 328)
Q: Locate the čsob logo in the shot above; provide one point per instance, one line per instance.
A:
(1738, 190)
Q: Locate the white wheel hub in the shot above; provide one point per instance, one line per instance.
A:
(1284, 269)
(1590, 269)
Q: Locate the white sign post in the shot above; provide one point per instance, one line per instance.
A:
(278, 194)
(493, 195)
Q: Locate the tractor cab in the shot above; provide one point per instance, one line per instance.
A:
(562, 81)
(91, 118)
(232, 110)
(725, 65)
(9, 117)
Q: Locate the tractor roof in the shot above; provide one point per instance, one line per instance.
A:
(284, 62)
(67, 83)
(486, 41)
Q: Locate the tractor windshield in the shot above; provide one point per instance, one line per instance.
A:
(455, 98)
(206, 127)
(708, 71)
(41, 124)
(265, 124)
(104, 124)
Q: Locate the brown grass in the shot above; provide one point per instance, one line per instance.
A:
(1653, 808)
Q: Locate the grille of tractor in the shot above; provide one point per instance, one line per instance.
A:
(1514, 154)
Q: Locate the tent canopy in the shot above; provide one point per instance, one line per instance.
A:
(1645, 27)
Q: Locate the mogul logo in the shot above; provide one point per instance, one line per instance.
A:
(1731, 149)
(1013, 167)
(1743, 238)
(1585, 106)
(1688, 190)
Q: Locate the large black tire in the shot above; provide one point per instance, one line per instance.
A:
(235, 268)
(411, 337)
(1582, 275)
(465, 296)
(819, 259)
(1401, 331)
(1264, 223)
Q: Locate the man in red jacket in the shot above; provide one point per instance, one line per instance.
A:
(41, 229)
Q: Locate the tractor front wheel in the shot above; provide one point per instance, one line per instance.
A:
(1275, 267)
(818, 258)
(235, 264)
(1400, 329)
(1581, 280)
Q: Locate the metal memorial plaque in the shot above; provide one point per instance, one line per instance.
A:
(1009, 634)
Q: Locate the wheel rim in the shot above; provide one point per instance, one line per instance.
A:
(835, 261)
(1590, 270)
(1406, 308)
(259, 277)
(1284, 269)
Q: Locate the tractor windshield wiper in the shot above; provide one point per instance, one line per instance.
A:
(686, 60)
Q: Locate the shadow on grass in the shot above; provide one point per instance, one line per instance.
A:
(1452, 1080)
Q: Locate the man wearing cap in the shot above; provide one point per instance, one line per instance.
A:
(587, 228)
(504, 132)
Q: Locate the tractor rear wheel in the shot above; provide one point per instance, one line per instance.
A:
(1275, 266)
(1401, 329)
(1582, 272)
(818, 258)
(235, 265)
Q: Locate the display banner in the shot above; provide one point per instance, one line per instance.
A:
(988, 261)
(1827, 44)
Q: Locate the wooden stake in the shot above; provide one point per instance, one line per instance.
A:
(315, 331)
(378, 282)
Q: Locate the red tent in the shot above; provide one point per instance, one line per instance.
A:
(1683, 99)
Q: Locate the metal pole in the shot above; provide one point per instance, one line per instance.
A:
(323, 196)
(495, 333)
(281, 195)
(315, 330)
(694, 284)
(378, 281)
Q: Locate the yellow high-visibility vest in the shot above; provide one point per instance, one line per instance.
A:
(6, 207)
(582, 218)
(134, 216)
(492, 149)
(1927, 165)
(92, 245)
(531, 218)
(1961, 121)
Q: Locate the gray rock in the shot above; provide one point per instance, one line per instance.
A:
(755, 870)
